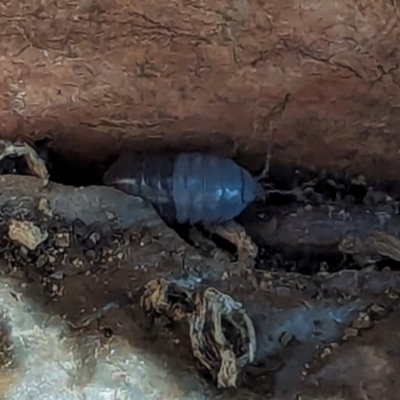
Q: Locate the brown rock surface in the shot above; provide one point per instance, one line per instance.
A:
(99, 75)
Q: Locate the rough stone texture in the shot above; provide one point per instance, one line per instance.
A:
(101, 75)
(72, 326)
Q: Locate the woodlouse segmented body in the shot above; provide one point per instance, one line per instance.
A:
(189, 187)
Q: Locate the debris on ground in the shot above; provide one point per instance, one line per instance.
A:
(36, 166)
(101, 299)
(246, 248)
(26, 234)
(221, 333)
(332, 215)
(376, 244)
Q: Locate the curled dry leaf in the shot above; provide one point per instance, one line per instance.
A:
(231, 343)
(234, 233)
(26, 233)
(35, 163)
(165, 298)
(222, 334)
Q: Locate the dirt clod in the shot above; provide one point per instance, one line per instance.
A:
(26, 233)
(62, 240)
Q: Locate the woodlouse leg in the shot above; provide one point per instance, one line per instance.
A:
(200, 241)
(208, 246)
(236, 234)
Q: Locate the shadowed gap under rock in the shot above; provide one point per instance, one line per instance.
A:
(311, 189)
(317, 188)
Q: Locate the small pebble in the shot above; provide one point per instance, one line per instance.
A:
(349, 333)
(62, 240)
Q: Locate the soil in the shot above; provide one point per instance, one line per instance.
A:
(325, 326)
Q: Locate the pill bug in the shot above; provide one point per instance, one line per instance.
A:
(187, 187)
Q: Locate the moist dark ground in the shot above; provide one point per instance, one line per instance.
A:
(89, 280)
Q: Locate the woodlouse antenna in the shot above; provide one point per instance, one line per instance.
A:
(269, 120)
(265, 171)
